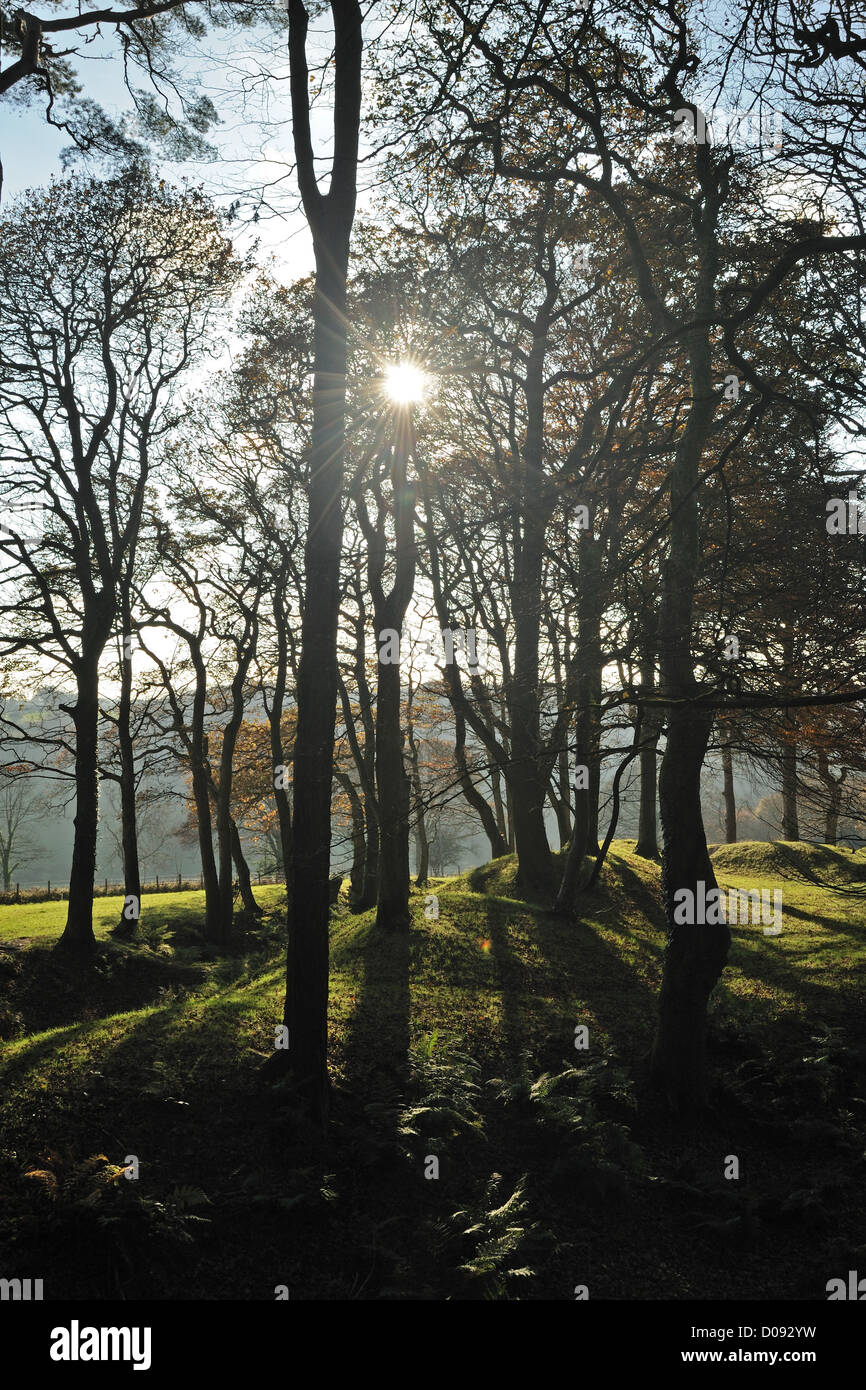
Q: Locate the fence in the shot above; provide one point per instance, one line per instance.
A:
(106, 888)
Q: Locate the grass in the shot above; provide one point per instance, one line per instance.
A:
(45, 921)
(440, 1044)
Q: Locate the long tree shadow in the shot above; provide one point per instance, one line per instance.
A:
(595, 983)
(821, 997)
(598, 969)
(376, 1038)
(512, 981)
(843, 925)
(175, 1088)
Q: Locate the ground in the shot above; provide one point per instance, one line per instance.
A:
(453, 1049)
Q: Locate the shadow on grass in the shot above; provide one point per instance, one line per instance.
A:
(821, 994)
(593, 975)
(577, 976)
(802, 868)
(200, 1035)
(51, 991)
(511, 976)
(843, 925)
(376, 1041)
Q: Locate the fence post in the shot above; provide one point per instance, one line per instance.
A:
(49, 887)
(18, 892)
(157, 883)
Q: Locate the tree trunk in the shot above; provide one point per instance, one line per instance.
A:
(525, 775)
(78, 933)
(729, 794)
(359, 841)
(498, 846)
(422, 850)
(225, 876)
(614, 807)
(790, 817)
(306, 1013)
(422, 844)
(695, 955)
(392, 794)
(128, 820)
(562, 801)
(210, 880)
(330, 217)
(499, 803)
(371, 856)
(228, 840)
(647, 833)
(833, 787)
(584, 834)
(275, 724)
(392, 782)
(243, 872)
(589, 682)
(366, 892)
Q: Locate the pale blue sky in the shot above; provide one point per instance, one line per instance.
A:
(254, 137)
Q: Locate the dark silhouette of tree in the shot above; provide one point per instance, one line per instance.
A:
(330, 216)
(107, 290)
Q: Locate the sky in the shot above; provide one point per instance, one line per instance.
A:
(253, 138)
(255, 151)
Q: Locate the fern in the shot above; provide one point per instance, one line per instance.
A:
(496, 1233)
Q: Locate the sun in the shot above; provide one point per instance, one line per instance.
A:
(405, 383)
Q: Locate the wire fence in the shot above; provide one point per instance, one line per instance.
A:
(52, 891)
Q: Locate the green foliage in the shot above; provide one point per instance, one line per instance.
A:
(426, 1044)
(563, 1119)
(589, 1151)
(494, 1236)
(64, 1203)
(11, 1022)
(447, 1084)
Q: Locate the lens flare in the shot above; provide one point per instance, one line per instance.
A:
(405, 383)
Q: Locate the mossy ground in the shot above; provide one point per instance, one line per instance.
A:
(156, 1050)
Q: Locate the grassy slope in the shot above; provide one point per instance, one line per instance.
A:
(159, 1051)
(46, 920)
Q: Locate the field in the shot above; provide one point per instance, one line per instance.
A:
(476, 1148)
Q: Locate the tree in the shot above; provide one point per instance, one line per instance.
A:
(594, 105)
(330, 216)
(148, 35)
(107, 291)
(20, 806)
(251, 442)
(358, 706)
(390, 603)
